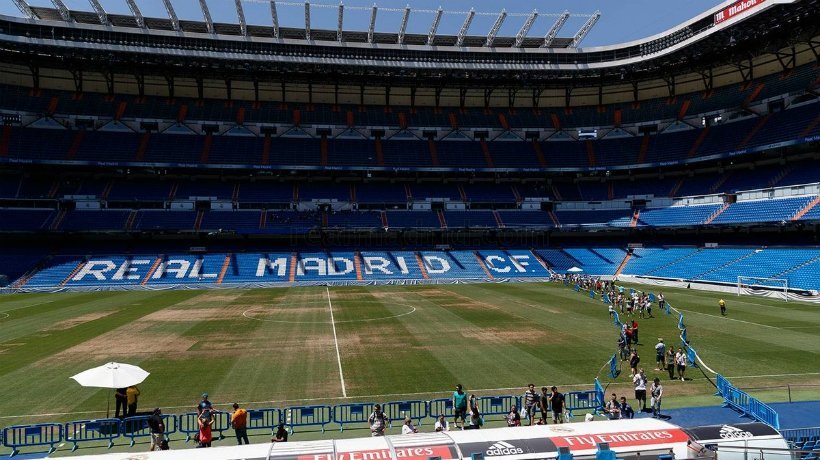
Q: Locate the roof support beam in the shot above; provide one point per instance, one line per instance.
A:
(24, 8)
(372, 28)
(135, 10)
(553, 32)
(307, 20)
(207, 15)
(100, 11)
(525, 29)
(584, 30)
(494, 31)
(274, 16)
(340, 22)
(403, 28)
(434, 27)
(60, 6)
(172, 15)
(465, 27)
(240, 15)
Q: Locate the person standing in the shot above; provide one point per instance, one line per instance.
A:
(206, 421)
(377, 421)
(476, 420)
(239, 422)
(634, 360)
(639, 381)
(661, 302)
(670, 363)
(722, 304)
(121, 401)
(459, 406)
(204, 404)
(635, 332)
(680, 361)
(157, 427)
(131, 395)
(657, 396)
(544, 405)
(660, 353)
(557, 402)
(530, 401)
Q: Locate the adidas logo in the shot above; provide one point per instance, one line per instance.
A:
(730, 432)
(503, 448)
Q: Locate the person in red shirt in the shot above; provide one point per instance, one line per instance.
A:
(205, 420)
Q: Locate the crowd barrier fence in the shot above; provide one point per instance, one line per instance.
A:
(308, 416)
(137, 427)
(740, 400)
(397, 410)
(134, 428)
(345, 414)
(79, 431)
(497, 405)
(261, 419)
(442, 406)
(43, 434)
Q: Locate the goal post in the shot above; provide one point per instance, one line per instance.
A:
(763, 286)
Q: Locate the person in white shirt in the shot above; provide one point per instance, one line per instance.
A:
(408, 427)
(639, 380)
(441, 424)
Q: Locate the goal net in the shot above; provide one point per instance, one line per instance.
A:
(770, 287)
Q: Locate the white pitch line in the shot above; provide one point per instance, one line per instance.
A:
(728, 319)
(336, 341)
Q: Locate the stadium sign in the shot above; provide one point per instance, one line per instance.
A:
(622, 438)
(739, 7)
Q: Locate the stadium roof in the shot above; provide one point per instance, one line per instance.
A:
(734, 32)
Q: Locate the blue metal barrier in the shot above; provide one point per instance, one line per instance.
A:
(397, 410)
(800, 434)
(137, 427)
(78, 431)
(41, 434)
(497, 405)
(344, 414)
(652, 297)
(582, 400)
(592, 294)
(308, 416)
(577, 288)
(746, 404)
(443, 406)
(260, 419)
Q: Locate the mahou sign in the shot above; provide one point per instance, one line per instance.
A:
(741, 6)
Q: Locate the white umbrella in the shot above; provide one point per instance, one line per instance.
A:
(575, 270)
(111, 375)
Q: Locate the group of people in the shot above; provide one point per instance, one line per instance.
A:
(548, 403)
(206, 416)
(126, 399)
(617, 408)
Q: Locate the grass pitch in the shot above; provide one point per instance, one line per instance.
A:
(277, 347)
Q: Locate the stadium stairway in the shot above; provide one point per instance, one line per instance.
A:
(715, 214)
(802, 212)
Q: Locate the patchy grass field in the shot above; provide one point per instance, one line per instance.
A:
(277, 347)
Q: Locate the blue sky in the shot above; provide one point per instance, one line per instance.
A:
(621, 21)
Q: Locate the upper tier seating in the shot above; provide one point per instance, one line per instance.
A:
(285, 151)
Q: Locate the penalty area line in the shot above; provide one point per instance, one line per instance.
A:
(336, 341)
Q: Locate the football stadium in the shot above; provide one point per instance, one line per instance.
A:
(307, 230)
